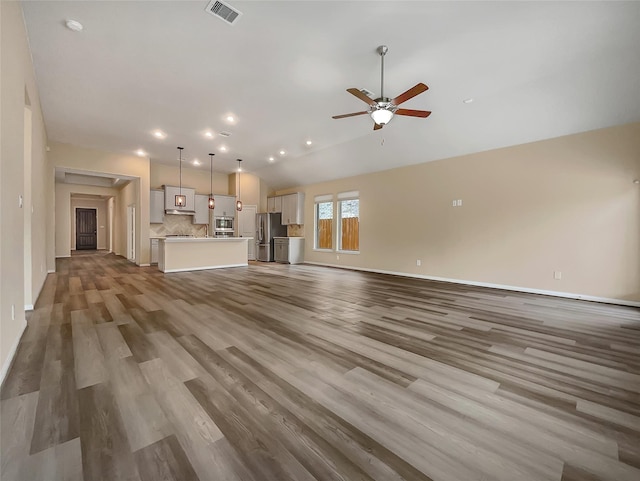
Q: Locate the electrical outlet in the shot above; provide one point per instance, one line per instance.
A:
(20, 201)
(13, 312)
(557, 275)
(459, 202)
(418, 262)
(453, 203)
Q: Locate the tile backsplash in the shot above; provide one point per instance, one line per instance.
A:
(295, 230)
(177, 224)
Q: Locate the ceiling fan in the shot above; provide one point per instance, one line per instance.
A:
(383, 109)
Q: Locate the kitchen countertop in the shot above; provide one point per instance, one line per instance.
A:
(203, 239)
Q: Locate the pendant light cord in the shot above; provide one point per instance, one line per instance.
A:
(180, 149)
(211, 174)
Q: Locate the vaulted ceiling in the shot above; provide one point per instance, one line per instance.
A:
(534, 70)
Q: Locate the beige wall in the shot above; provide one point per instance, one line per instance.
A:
(252, 191)
(65, 220)
(198, 179)
(131, 166)
(102, 227)
(127, 196)
(567, 204)
(17, 84)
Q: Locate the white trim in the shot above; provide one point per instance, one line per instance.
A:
(323, 250)
(347, 252)
(51, 271)
(28, 307)
(352, 195)
(12, 354)
(144, 265)
(568, 295)
(64, 256)
(204, 268)
(323, 198)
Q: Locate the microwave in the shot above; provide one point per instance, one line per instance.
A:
(223, 224)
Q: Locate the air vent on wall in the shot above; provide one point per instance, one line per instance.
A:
(223, 11)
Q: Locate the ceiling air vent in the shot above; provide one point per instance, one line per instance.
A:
(225, 134)
(367, 92)
(223, 11)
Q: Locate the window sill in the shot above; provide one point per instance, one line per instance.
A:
(347, 252)
(323, 250)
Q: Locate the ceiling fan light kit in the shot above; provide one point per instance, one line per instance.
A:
(383, 109)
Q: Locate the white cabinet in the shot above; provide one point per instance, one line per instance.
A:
(202, 209)
(154, 251)
(293, 208)
(225, 206)
(288, 250)
(156, 209)
(170, 193)
(274, 204)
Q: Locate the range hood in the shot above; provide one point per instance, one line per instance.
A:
(179, 212)
(170, 193)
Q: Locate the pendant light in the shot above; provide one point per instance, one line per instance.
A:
(212, 202)
(181, 200)
(239, 202)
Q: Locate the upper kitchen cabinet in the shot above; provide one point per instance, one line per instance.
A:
(156, 209)
(293, 208)
(170, 193)
(225, 206)
(274, 204)
(202, 209)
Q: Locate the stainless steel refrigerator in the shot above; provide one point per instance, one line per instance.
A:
(268, 226)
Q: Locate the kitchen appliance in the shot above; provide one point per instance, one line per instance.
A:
(223, 226)
(268, 226)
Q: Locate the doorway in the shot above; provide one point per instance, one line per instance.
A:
(86, 229)
(247, 228)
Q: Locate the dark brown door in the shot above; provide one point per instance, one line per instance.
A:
(86, 232)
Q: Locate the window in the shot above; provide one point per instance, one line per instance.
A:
(349, 222)
(324, 222)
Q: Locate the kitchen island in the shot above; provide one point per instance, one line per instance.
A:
(180, 254)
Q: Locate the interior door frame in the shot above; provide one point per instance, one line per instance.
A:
(75, 221)
(131, 232)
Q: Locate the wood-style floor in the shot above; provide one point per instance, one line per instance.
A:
(276, 372)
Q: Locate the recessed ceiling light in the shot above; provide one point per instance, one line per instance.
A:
(74, 25)
(309, 142)
(223, 149)
(208, 134)
(159, 134)
(230, 118)
(141, 153)
(271, 159)
(195, 162)
(282, 152)
(467, 101)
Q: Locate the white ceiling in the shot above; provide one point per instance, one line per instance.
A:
(534, 69)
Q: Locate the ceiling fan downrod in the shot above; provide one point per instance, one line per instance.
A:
(382, 50)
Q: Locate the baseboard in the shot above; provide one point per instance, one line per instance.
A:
(12, 354)
(28, 307)
(51, 271)
(567, 295)
(62, 257)
(204, 268)
(144, 265)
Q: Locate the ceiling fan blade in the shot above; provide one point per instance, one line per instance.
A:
(409, 94)
(376, 126)
(348, 115)
(362, 96)
(413, 113)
